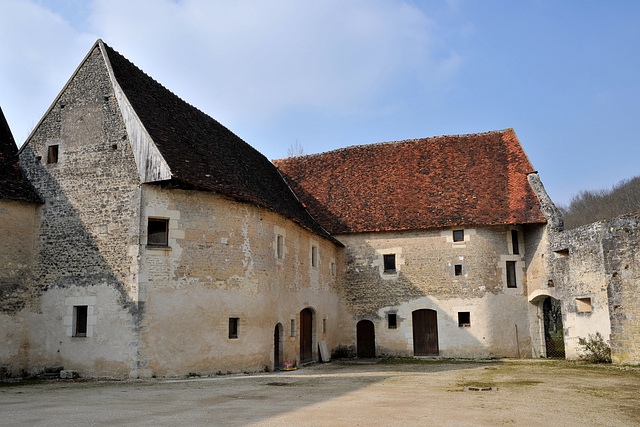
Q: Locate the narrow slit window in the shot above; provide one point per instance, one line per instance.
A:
(392, 321)
(514, 242)
(333, 269)
(324, 326)
(458, 269)
(314, 256)
(389, 263)
(52, 154)
(458, 235)
(80, 321)
(233, 327)
(158, 232)
(511, 274)
(280, 246)
(293, 328)
(464, 319)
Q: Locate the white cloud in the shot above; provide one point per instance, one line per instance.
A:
(38, 53)
(259, 58)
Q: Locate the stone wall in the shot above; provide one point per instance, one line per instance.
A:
(87, 231)
(222, 263)
(425, 277)
(621, 249)
(17, 222)
(595, 274)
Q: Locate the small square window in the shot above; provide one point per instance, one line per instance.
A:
(458, 269)
(314, 256)
(80, 320)
(392, 321)
(511, 275)
(389, 263)
(514, 242)
(464, 319)
(158, 232)
(280, 246)
(233, 327)
(458, 235)
(583, 305)
(52, 154)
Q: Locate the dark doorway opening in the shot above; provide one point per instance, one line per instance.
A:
(366, 339)
(278, 358)
(553, 332)
(425, 333)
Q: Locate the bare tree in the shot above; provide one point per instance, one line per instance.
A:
(296, 149)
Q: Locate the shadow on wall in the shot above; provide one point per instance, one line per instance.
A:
(71, 250)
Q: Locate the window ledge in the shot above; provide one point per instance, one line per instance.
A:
(390, 272)
(158, 247)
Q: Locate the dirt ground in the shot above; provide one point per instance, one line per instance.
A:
(529, 392)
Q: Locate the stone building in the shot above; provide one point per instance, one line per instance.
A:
(145, 238)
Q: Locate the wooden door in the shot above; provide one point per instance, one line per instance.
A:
(425, 333)
(366, 339)
(306, 336)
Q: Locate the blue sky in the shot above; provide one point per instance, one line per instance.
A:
(329, 74)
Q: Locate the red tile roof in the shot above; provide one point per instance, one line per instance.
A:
(477, 179)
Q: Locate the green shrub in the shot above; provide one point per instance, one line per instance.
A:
(596, 350)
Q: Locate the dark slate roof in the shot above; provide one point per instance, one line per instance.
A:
(478, 179)
(203, 153)
(13, 183)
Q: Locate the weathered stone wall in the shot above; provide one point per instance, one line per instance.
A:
(222, 263)
(595, 274)
(425, 278)
(17, 222)
(87, 231)
(621, 249)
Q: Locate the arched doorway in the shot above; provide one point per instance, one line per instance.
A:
(306, 335)
(553, 332)
(278, 357)
(425, 333)
(366, 339)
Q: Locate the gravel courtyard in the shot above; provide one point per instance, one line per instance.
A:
(414, 392)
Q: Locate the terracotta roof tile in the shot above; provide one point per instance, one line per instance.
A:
(477, 179)
(13, 183)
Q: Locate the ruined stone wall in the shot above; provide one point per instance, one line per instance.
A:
(221, 262)
(425, 278)
(621, 249)
(595, 274)
(87, 230)
(17, 222)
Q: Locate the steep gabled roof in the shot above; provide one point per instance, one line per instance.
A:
(477, 179)
(199, 151)
(13, 183)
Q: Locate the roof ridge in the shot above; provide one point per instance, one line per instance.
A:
(352, 147)
(154, 80)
